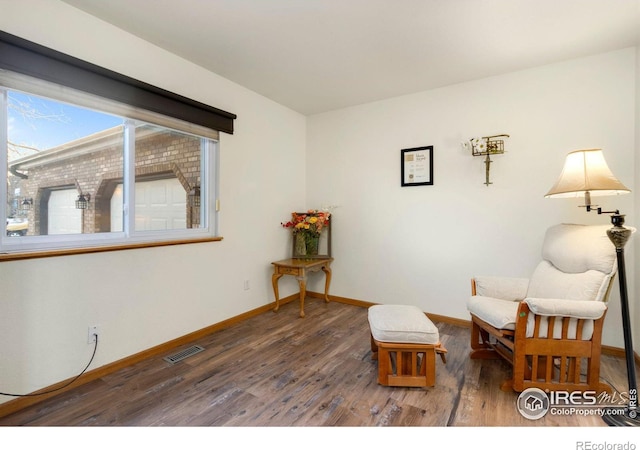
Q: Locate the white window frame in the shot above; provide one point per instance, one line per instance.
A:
(209, 175)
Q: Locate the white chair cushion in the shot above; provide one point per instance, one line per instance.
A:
(566, 308)
(505, 288)
(403, 324)
(498, 313)
(549, 282)
(576, 248)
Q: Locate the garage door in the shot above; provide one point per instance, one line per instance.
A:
(160, 205)
(62, 214)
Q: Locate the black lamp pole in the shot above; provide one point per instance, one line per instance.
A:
(619, 235)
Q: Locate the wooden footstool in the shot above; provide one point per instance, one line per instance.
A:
(405, 343)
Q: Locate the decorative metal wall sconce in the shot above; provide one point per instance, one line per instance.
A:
(194, 197)
(487, 146)
(26, 204)
(83, 201)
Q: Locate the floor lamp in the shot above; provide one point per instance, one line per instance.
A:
(586, 173)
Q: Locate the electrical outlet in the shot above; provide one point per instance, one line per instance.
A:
(247, 286)
(92, 333)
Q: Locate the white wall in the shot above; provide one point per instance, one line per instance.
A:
(142, 298)
(421, 245)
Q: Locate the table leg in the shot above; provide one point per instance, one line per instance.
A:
(302, 281)
(274, 280)
(327, 273)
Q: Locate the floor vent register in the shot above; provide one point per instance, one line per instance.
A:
(183, 354)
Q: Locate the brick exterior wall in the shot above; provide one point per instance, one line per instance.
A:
(95, 167)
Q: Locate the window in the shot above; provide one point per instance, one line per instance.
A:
(82, 176)
(91, 157)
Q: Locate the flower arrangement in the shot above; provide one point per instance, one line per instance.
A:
(306, 228)
(313, 221)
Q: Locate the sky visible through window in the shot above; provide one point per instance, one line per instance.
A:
(38, 124)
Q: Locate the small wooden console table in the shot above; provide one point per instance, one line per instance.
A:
(299, 268)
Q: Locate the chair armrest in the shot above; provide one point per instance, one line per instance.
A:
(571, 319)
(578, 309)
(504, 288)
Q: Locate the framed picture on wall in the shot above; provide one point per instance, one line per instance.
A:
(416, 166)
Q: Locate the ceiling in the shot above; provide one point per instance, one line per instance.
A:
(319, 55)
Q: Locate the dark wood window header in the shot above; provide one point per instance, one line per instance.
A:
(28, 58)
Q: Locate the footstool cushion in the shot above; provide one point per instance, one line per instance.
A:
(402, 323)
(405, 342)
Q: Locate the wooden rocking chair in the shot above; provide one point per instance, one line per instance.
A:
(549, 327)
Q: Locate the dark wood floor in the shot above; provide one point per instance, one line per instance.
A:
(279, 370)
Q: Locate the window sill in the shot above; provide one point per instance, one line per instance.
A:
(106, 248)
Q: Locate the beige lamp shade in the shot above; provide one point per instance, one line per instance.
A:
(586, 171)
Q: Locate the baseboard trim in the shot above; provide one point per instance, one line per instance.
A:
(20, 403)
(433, 317)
